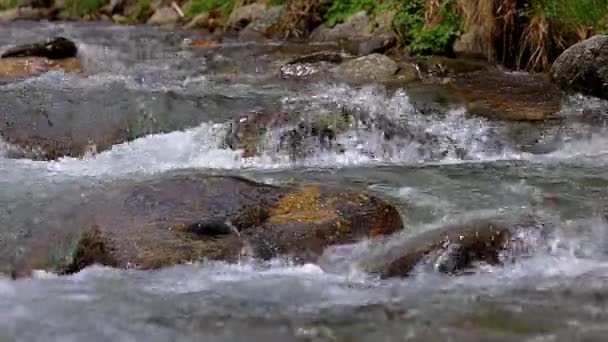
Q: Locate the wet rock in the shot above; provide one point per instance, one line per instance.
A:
(372, 68)
(164, 16)
(243, 16)
(584, 67)
(284, 133)
(260, 28)
(379, 42)
(457, 249)
(54, 48)
(187, 217)
(30, 66)
(511, 96)
(318, 57)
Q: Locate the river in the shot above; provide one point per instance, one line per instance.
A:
(184, 99)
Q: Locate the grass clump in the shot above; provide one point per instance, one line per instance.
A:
(80, 8)
(428, 26)
(142, 10)
(7, 4)
(195, 7)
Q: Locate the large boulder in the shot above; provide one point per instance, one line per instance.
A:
(358, 25)
(459, 248)
(187, 217)
(584, 67)
(54, 48)
(371, 68)
(243, 16)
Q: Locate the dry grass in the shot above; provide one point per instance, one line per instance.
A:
(479, 20)
(300, 17)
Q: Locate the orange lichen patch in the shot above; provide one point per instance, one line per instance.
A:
(206, 43)
(15, 67)
(304, 206)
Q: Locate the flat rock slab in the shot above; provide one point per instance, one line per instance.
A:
(189, 217)
(511, 96)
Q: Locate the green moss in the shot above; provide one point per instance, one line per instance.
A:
(7, 4)
(195, 7)
(79, 8)
(427, 39)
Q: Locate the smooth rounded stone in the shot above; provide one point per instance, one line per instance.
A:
(242, 16)
(372, 68)
(456, 249)
(379, 42)
(584, 67)
(164, 16)
(188, 217)
(54, 48)
(31, 66)
(510, 96)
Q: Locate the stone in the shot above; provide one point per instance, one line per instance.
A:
(357, 26)
(506, 95)
(259, 29)
(243, 16)
(9, 15)
(188, 217)
(31, 66)
(201, 21)
(470, 45)
(164, 16)
(459, 248)
(371, 68)
(379, 42)
(54, 48)
(584, 67)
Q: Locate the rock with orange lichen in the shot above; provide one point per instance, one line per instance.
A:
(188, 217)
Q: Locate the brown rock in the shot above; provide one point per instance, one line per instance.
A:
(201, 21)
(30, 66)
(189, 217)
(455, 249)
(372, 68)
(164, 16)
(511, 96)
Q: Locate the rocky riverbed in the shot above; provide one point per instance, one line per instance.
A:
(178, 185)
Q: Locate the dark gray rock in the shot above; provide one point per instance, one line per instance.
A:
(55, 48)
(584, 67)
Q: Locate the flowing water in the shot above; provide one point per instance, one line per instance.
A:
(449, 167)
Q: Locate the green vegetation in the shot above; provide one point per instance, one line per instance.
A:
(79, 8)
(7, 4)
(195, 7)
(142, 10)
(276, 2)
(428, 30)
(341, 10)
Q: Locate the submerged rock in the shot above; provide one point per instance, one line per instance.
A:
(372, 68)
(54, 48)
(511, 96)
(188, 217)
(584, 67)
(31, 66)
(456, 249)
